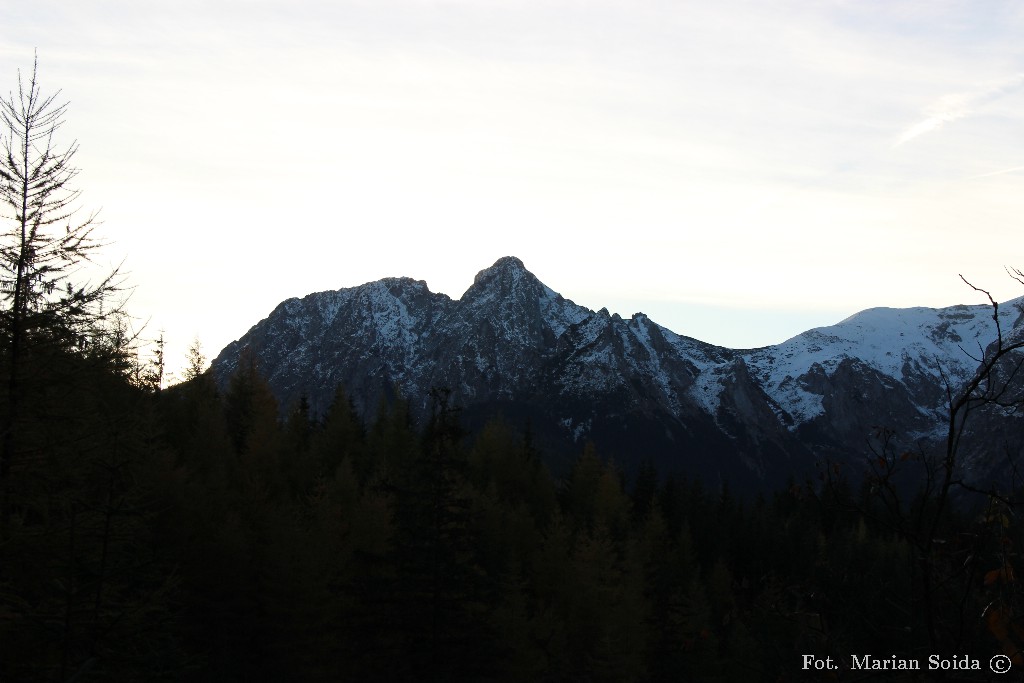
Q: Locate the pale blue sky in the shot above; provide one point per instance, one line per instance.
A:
(740, 171)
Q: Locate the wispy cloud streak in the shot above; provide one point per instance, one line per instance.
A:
(956, 106)
(1014, 169)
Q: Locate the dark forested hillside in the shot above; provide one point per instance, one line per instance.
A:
(194, 535)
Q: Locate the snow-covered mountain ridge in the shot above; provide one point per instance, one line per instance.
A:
(907, 346)
(512, 345)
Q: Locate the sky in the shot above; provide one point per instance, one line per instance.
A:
(738, 170)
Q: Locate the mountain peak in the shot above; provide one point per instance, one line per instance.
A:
(509, 262)
(505, 266)
(505, 278)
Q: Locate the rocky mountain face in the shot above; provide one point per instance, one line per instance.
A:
(512, 346)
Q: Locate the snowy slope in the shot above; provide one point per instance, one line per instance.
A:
(903, 344)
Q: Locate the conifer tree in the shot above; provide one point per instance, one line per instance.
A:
(80, 587)
(341, 437)
(44, 245)
(438, 572)
(196, 360)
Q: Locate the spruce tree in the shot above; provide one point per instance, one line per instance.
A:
(44, 246)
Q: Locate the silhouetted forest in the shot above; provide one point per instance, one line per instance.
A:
(189, 534)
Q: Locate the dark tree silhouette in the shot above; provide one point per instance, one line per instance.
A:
(44, 246)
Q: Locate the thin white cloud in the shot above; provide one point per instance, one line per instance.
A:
(956, 106)
(1013, 169)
